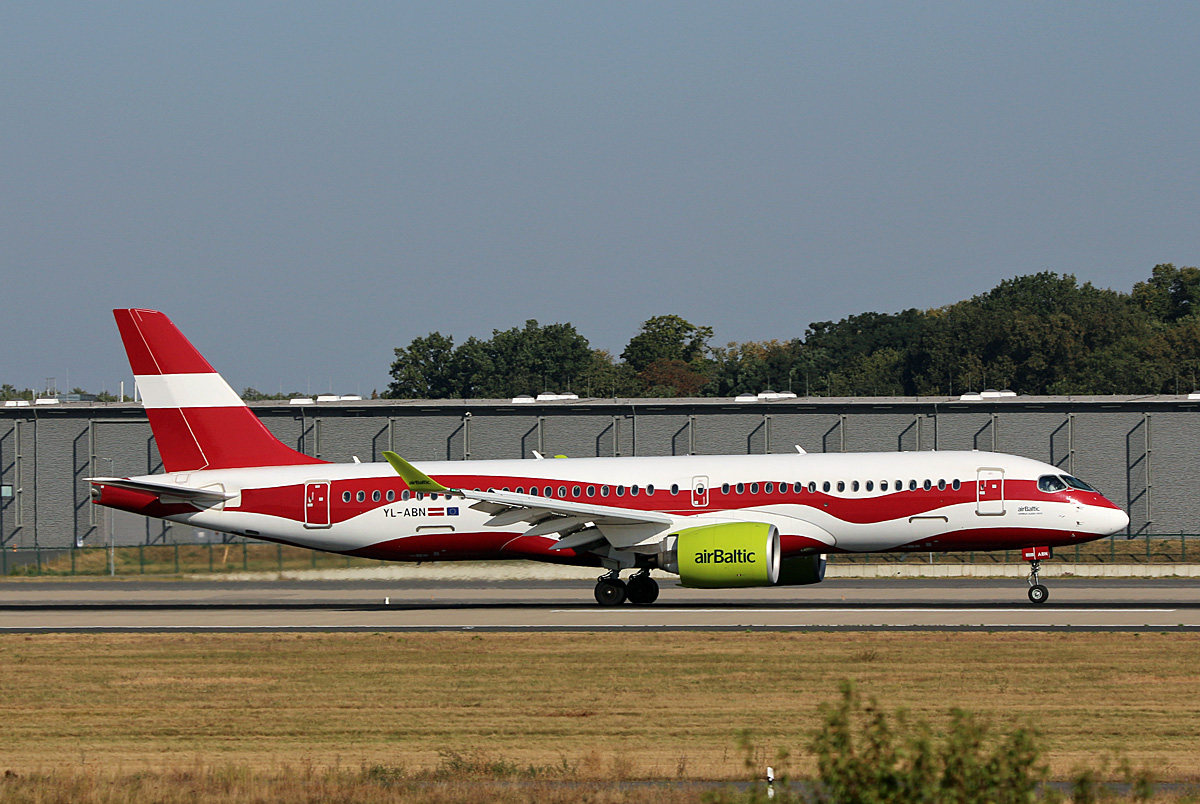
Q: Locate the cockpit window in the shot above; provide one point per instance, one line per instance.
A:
(1051, 484)
(1076, 483)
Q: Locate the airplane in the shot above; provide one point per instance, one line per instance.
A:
(716, 522)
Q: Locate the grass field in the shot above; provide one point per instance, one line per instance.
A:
(664, 706)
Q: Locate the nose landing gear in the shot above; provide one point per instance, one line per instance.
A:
(1037, 593)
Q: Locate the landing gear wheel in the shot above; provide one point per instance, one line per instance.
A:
(610, 591)
(642, 590)
(1037, 593)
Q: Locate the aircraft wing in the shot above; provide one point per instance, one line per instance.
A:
(577, 523)
(165, 489)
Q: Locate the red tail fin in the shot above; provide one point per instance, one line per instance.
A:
(199, 422)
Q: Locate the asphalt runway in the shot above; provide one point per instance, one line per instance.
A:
(959, 604)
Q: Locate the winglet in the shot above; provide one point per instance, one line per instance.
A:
(414, 477)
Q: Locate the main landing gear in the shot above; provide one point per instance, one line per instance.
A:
(641, 590)
(1037, 592)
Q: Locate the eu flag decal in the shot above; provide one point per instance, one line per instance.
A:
(451, 512)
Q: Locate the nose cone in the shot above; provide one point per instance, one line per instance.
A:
(1106, 521)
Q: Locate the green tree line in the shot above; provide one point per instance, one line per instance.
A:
(1042, 333)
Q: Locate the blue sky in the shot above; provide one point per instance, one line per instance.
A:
(303, 187)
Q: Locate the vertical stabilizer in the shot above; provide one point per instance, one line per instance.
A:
(199, 422)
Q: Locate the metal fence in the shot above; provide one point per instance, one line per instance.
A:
(199, 559)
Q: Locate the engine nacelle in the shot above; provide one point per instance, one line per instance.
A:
(800, 570)
(723, 556)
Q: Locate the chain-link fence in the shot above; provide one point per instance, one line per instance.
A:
(193, 559)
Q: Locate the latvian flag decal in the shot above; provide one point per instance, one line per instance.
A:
(442, 512)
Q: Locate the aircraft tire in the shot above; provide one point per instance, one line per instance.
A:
(1038, 594)
(610, 593)
(642, 591)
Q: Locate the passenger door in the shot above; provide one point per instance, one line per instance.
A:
(989, 492)
(316, 504)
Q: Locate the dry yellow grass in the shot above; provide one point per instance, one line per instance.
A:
(645, 705)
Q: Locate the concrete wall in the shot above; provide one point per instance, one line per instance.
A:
(1139, 451)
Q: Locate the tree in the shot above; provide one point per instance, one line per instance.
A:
(424, 370)
(531, 360)
(667, 337)
(669, 378)
(1170, 293)
(756, 366)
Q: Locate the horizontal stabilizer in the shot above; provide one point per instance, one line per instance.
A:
(164, 489)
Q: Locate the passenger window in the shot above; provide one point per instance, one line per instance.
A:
(883, 485)
(754, 488)
(741, 488)
(520, 489)
(634, 491)
(361, 496)
(604, 491)
(900, 485)
(407, 495)
(783, 487)
(346, 496)
(956, 485)
(825, 486)
(562, 492)
(942, 484)
(504, 489)
(375, 495)
(674, 489)
(724, 488)
(620, 491)
(575, 491)
(391, 495)
(799, 487)
(649, 490)
(928, 484)
(912, 485)
(854, 485)
(591, 491)
(549, 492)
(769, 488)
(870, 485)
(533, 491)
(812, 487)
(841, 485)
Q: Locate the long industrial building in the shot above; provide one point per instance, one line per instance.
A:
(1139, 451)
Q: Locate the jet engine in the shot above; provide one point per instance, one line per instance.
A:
(735, 554)
(723, 556)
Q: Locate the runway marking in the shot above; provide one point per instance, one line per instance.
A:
(651, 609)
(614, 626)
